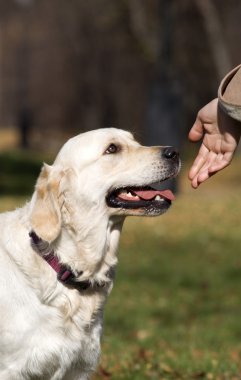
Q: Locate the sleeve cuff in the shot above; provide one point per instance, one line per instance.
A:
(229, 93)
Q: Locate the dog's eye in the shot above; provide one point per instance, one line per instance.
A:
(112, 148)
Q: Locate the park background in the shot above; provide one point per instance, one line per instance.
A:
(146, 66)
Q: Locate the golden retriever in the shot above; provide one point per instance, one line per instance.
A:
(59, 252)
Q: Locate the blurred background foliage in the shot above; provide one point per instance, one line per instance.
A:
(145, 66)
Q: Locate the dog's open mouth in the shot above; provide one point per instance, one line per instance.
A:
(152, 200)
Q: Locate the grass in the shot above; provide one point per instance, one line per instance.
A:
(175, 310)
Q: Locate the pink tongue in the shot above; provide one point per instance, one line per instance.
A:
(150, 194)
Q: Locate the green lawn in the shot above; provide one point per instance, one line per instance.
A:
(175, 310)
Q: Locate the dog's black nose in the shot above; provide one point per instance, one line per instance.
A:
(170, 153)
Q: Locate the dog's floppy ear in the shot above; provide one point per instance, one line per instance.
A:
(45, 215)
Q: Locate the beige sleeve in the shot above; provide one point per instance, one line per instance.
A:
(229, 93)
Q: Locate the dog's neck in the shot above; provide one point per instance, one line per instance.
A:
(97, 249)
(64, 273)
(89, 247)
(77, 262)
(81, 232)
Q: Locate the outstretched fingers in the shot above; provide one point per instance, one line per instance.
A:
(199, 162)
(213, 163)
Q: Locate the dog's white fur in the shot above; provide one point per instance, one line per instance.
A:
(48, 331)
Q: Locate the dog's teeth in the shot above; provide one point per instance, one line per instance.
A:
(127, 194)
(158, 198)
(130, 195)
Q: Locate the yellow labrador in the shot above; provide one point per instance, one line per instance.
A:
(58, 252)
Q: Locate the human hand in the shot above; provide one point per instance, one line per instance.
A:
(220, 135)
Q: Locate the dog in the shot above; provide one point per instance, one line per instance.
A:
(59, 252)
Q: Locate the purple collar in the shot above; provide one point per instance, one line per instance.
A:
(64, 273)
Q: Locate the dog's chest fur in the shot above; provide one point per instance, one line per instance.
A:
(51, 340)
(52, 346)
(49, 332)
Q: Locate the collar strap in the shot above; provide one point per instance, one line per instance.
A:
(64, 273)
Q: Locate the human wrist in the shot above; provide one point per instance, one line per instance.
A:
(225, 117)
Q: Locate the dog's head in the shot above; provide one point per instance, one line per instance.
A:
(98, 175)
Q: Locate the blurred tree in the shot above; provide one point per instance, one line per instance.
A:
(24, 117)
(213, 28)
(164, 117)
